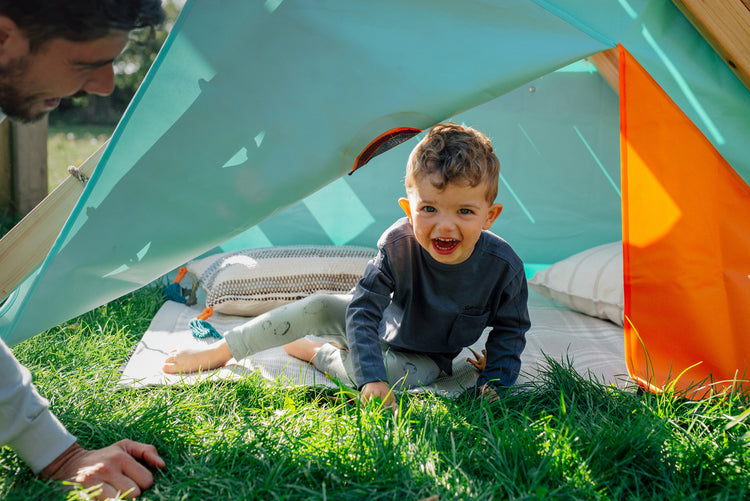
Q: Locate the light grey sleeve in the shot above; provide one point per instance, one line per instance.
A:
(26, 424)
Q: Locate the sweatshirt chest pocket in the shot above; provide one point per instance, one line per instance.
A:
(467, 329)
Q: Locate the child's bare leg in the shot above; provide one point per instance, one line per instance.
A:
(303, 348)
(195, 359)
(306, 349)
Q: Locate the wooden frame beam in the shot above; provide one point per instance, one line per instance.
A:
(607, 63)
(725, 24)
(26, 246)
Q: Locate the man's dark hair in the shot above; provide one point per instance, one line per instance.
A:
(80, 20)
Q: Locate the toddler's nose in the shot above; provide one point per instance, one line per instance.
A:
(445, 224)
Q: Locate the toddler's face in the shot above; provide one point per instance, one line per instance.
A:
(448, 223)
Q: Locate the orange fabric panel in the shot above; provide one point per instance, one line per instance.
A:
(686, 246)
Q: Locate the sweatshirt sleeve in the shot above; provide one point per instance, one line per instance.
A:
(363, 316)
(26, 424)
(507, 339)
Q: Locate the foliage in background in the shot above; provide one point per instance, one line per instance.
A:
(563, 437)
(7, 221)
(130, 69)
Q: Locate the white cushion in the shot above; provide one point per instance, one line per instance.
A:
(252, 281)
(590, 282)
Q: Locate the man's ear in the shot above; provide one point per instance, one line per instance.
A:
(495, 210)
(404, 203)
(13, 43)
(6, 26)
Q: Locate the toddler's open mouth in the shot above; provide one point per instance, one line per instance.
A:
(444, 245)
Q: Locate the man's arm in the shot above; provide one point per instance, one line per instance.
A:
(26, 424)
(29, 428)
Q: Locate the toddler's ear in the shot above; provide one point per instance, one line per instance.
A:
(404, 203)
(492, 214)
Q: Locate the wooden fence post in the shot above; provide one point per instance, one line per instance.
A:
(6, 169)
(29, 146)
(23, 166)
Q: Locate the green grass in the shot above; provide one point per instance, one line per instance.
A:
(562, 438)
(71, 145)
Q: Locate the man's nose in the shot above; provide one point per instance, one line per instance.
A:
(101, 81)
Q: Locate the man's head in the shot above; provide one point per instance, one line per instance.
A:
(51, 49)
(451, 184)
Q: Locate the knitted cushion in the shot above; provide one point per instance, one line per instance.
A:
(252, 281)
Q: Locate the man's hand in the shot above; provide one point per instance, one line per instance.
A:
(378, 389)
(117, 468)
(481, 360)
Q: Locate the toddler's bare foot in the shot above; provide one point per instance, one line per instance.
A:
(196, 359)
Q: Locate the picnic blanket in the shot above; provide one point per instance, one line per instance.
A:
(593, 347)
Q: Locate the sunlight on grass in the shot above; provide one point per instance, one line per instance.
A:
(563, 437)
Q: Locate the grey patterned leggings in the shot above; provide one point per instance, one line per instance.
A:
(324, 316)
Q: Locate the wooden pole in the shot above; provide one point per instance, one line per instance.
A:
(24, 247)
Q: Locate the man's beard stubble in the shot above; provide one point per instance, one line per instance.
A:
(13, 102)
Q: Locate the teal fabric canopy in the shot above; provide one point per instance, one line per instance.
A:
(251, 107)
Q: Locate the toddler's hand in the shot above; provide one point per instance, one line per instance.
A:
(481, 360)
(378, 389)
(488, 392)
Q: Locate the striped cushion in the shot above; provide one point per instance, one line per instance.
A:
(590, 282)
(252, 281)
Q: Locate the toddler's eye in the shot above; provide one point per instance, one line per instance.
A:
(428, 208)
(465, 211)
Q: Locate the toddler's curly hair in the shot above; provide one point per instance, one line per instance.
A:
(453, 153)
